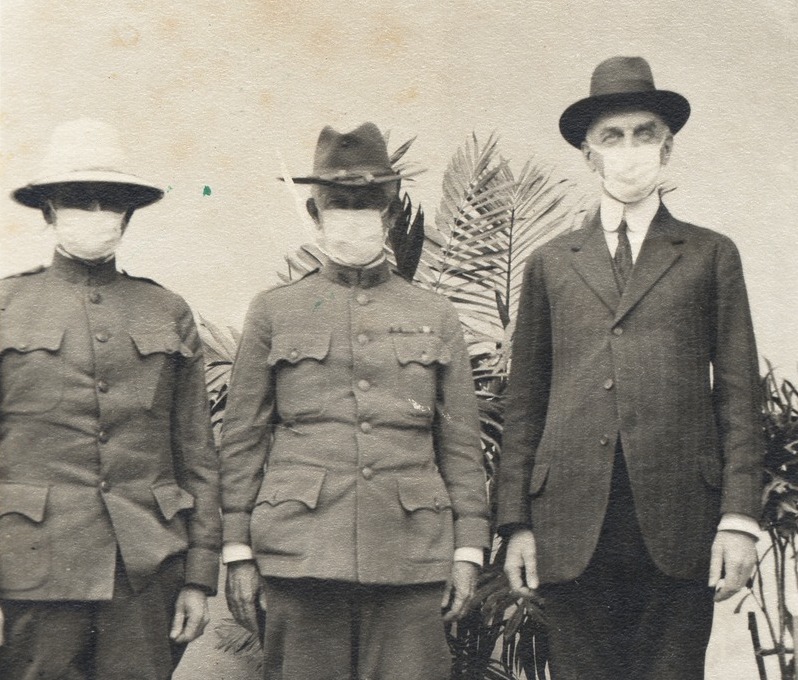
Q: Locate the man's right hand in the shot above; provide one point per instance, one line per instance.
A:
(244, 591)
(521, 565)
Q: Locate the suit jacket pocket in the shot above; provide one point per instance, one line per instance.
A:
(284, 520)
(24, 544)
(172, 499)
(301, 376)
(159, 352)
(540, 471)
(428, 528)
(31, 369)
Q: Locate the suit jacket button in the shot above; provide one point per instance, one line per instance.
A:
(617, 330)
(604, 440)
(95, 297)
(102, 386)
(367, 472)
(105, 486)
(103, 437)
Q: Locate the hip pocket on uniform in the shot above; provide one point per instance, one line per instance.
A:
(24, 543)
(428, 529)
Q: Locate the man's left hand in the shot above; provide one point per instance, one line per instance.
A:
(460, 590)
(191, 615)
(732, 563)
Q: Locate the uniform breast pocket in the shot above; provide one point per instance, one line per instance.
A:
(31, 369)
(300, 374)
(420, 357)
(159, 354)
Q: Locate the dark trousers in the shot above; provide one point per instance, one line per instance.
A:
(329, 630)
(126, 638)
(623, 619)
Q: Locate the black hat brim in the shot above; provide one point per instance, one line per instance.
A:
(128, 194)
(672, 107)
(354, 182)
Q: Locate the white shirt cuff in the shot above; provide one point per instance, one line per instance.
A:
(469, 555)
(235, 552)
(734, 521)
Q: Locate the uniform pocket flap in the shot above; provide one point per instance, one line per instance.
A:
(292, 484)
(153, 342)
(416, 493)
(172, 499)
(421, 348)
(294, 347)
(29, 340)
(25, 499)
(711, 471)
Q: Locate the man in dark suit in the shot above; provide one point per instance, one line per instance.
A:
(109, 508)
(631, 474)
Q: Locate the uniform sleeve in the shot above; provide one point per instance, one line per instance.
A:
(527, 398)
(457, 441)
(247, 428)
(197, 464)
(736, 388)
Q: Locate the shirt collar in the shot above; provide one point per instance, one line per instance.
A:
(638, 215)
(77, 271)
(362, 277)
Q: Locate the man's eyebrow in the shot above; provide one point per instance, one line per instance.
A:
(650, 126)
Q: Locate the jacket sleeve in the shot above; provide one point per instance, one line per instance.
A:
(736, 388)
(527, 397)
(247, 428)
(196, 462)
(457, 441)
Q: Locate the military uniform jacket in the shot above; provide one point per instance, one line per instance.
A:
(669, 366)
(105, 439)
(353, 389)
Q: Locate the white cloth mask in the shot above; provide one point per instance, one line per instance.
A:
(87, 234)
(630, 173)
(352, 237)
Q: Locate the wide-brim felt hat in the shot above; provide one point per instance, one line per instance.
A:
(622, 83)
(85, 156)
(353, 159)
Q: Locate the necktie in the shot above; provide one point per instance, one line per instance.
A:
(623, 256)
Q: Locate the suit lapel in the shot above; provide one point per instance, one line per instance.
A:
(591, 260)
(661, 249)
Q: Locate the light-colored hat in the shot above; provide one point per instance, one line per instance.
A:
(87, 154)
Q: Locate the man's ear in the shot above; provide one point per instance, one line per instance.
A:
(313, 211)
(393, 211)
(126, 218)
(587, 153)
(667, 148)
(48, 211)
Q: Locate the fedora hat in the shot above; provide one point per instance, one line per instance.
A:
(618, 83)
(84, 156)
(354, 159)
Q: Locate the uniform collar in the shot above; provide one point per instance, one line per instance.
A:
(78, 271)
(638, 215)
(362, 277)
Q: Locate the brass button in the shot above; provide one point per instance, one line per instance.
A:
(604, 440)
(365, 427)
(95, 297)
(367, 472)
(105, 486)
(294, 354)
(102, 386)
(362, 299)
(23, 346)
(608, 383)
(103, 437)
(437, 504)
(364, 385)
(102, 336)
(424, 356)
(362, 339)
(617, 330)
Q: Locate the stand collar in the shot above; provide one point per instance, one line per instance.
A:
(361, 277)
(78, 271)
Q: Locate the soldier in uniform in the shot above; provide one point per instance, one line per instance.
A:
(109, 512)
(352, 475)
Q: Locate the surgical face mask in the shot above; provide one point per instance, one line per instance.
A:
(352, 237)
(630, 173)
(88, 234)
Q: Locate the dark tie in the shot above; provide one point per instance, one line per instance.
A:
(623, 256)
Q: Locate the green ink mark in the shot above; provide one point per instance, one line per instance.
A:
(206, 191)
(168, 189)
(318, 304)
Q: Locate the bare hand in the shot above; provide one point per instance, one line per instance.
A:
(732, 562)
(191, 615)
(521, 565)
(460, 589)
(244, 589)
